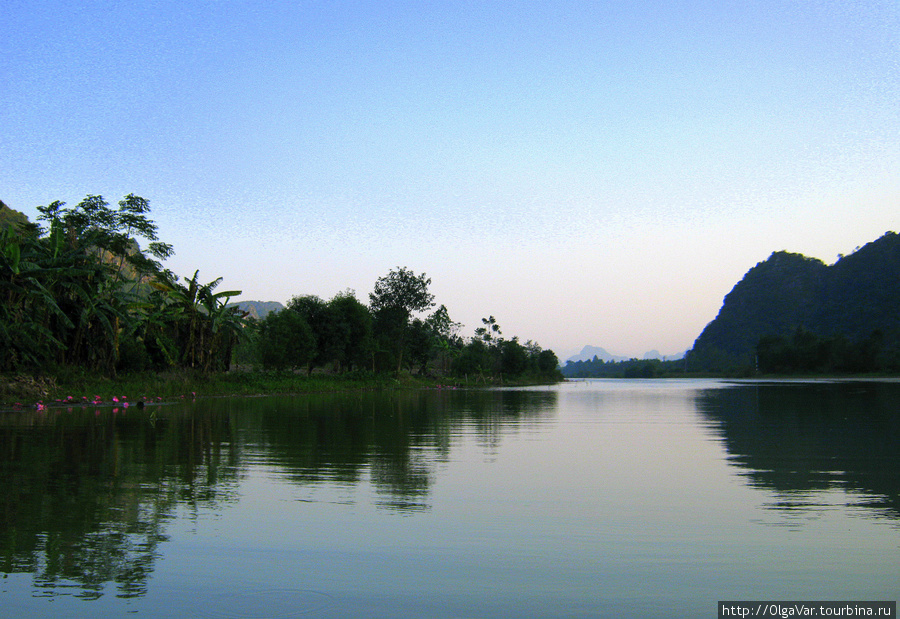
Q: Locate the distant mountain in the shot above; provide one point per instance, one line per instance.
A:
(655, 354)
(852, 299)
(589, 352)
(258, 309)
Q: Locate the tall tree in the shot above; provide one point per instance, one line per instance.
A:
(352, 328)
(395, 297)
(318, 316)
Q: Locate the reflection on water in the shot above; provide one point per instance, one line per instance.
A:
(802, 440)
(592, 498)
(85, 493)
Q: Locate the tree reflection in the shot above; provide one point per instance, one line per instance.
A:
(397, 439)
(799, 439)
(86, 494)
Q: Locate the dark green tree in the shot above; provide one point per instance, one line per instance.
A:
(352, 329)
(547, 362)
(445, 342)
(286, 341)
(318, 316)
(476, 359)
(394, 299)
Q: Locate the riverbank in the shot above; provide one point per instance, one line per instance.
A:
(75, 387)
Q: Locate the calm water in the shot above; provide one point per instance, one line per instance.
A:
(592, 498)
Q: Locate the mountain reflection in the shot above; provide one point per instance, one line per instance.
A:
(799, 440)
(86, 494)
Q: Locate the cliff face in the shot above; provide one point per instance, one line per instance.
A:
(854, 297)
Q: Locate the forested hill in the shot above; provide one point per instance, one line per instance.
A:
(10, 216)
(796, 313)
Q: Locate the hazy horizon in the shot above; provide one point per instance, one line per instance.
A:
(588, 173)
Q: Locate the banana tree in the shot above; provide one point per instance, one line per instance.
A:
(208, 328)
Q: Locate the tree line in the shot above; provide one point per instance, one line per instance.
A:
(629, 368)
(343, 335)
(78, 292)
(806, 352)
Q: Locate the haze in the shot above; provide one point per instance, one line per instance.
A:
(587, 172)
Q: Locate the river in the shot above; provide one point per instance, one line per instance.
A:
(618, 498)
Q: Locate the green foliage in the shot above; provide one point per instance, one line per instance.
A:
(352, 330)
(514, 359)
(547, 362)
(851, 299)
(808, 353)
(490, 333)
(342, 328)
(286, 341)
(488, 357)
(208, 328)
(403, 290)
(81, 293)
(316, 313)
(475, 359)
(393, 300)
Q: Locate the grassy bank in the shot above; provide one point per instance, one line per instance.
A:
(72, 386)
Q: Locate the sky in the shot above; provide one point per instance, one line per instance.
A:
(596, 173)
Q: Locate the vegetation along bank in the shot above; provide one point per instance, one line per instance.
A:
(87, 310)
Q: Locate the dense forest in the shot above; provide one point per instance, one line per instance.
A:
(79, 292)
(794, 314)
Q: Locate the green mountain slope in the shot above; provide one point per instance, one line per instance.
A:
(11, 216)
(858, 295)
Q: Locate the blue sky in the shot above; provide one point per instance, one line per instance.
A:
(588, 172)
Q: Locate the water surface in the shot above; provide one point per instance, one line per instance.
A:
(591, 498)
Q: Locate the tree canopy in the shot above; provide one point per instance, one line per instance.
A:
(80, 292)
(402, 290)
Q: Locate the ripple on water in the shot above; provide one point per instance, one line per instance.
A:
(275, 603)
